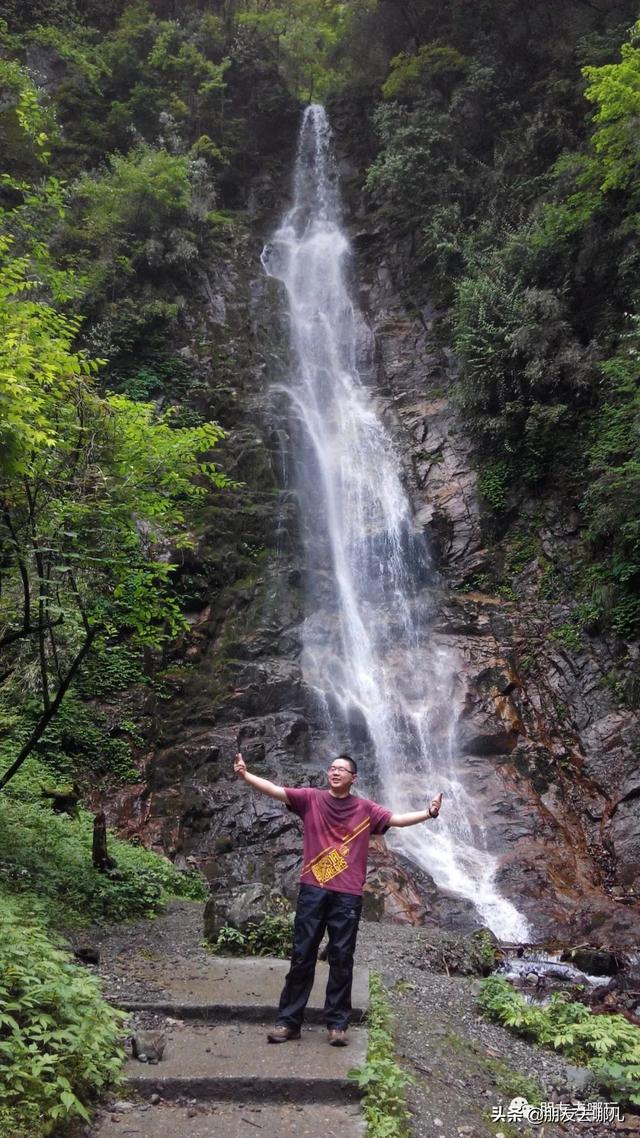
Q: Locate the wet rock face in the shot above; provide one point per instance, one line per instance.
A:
(548, 758)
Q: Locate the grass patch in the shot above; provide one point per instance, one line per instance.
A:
(382, 1080)
(45, 858)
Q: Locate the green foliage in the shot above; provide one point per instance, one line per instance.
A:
(614, 89)
(139, 197)
(522, 549)
(169, 379)
(549, 583)
(608, 1044)
(76, 48)
(493, 485)
(39, 371)
(25, 124)
(112, 668)
(48, 856)
(78, 741)
(609, 165)
(70, 455)
(382, 1081)
(59, 1041)
(141, 226)
(611, 502)
(568, 635)
(409, 72)
(272, 936)
(302, 34)
(518, 353)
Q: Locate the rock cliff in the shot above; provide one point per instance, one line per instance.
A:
(548, 755)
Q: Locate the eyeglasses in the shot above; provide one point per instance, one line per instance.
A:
(340, 770)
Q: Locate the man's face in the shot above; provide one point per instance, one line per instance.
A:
(340, 775)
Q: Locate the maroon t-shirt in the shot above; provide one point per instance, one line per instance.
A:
(336, 837)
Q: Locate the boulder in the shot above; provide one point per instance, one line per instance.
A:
(593, 961)
(474, 955)
(241, 907)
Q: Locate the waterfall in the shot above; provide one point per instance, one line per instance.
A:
(381, 679)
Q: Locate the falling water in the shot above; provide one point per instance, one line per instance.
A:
(380, 679)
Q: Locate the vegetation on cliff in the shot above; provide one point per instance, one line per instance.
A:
(128, 138)
(506, 148)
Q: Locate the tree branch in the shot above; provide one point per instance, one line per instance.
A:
(50, 711)
(21, 633)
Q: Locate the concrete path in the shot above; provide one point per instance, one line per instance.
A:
(232, 988)
(233, 1120)
(219, 1075)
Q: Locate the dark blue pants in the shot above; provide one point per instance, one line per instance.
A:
(338, 913)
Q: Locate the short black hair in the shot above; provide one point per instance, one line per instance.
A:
(352, 762)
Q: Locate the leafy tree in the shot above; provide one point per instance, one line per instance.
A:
(140, 227)
(606, 174)
(92, 490)
(614, 89)
(25, 124)
(301, 36)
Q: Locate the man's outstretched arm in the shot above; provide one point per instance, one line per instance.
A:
(261, 784)
(418, 815)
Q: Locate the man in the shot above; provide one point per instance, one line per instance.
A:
(337, 827)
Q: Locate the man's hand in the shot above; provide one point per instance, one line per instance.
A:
(436, 803)
(263, 785)
(417, 816)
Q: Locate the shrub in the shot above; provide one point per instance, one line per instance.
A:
(50, 855)
(608, 1044)
(493, 485)
(58, 1038)
(272, 936)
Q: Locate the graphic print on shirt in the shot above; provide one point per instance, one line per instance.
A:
(331, 862)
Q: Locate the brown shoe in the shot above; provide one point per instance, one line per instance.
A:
(282, 1034)
(337, 1037)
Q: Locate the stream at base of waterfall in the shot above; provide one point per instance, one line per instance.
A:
(384, 685)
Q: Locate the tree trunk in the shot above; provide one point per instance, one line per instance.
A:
(101, 860)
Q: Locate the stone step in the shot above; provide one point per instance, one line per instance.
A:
(236, 1120)
(235, 1062)
(230, 989)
